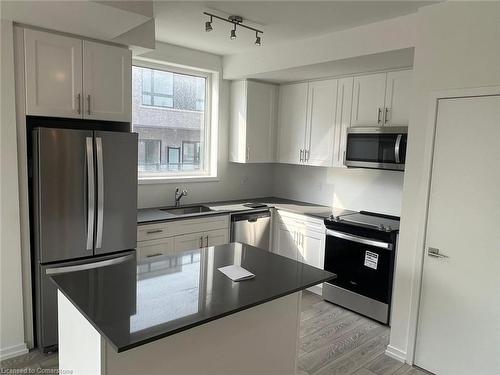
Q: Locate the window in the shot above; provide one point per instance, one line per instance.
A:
(169, 113)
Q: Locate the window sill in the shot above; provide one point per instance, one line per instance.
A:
(176, 179)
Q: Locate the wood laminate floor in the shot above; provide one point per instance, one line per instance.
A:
(333, 341)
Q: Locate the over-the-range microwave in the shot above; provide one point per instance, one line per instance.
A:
(376, 147)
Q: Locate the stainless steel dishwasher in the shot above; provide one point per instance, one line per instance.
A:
(252, 228)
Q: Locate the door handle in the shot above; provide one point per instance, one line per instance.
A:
(88, 104)
(206, 237)
(386, 116)
(306, 155)
(301, 155)
(434, 252)
(100, 192)
(79, 100)
(90, 193)
(379, 115)
(201, 242)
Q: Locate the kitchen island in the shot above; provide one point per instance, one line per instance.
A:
(178, 314)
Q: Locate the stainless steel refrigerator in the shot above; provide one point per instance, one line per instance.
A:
(84, 209)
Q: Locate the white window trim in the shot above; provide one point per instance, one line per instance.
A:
(210, 153)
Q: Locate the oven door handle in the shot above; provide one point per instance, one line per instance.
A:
(359, 239)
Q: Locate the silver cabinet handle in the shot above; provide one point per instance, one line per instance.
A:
(397, 146)
(153, 255)
(379, 116)
(201, 241)
(306, 155)
(79, 100)
(248, 153)
(386, 116)
(90, 192)
(359, 239)
(433, 252)
(206, 238)
(88, 104)
(154, 231)
(100, 192)
(88, 266)
(301, 155)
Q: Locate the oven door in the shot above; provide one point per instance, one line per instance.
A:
(362, 265)
(379, 148)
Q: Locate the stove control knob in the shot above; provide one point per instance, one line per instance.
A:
(381, 227)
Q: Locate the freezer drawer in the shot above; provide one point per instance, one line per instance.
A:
(252, 229)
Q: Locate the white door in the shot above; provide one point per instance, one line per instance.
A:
(216, 237)
(368, 100)
(286, 244)
(292, 122)
(261, 122)
(459, 318)
(189, 241)
(342, 120)
(53, 67)
(320, 132)
(398, 98)
(107, 82)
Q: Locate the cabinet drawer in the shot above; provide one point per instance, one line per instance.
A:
(154, 248)
(201, 224)
(153, 231)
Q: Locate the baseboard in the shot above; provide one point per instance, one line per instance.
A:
(13, 351)
(395, 353)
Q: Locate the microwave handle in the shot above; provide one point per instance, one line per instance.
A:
(397, 147)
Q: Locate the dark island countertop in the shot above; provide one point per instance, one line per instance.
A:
(155, 214)
(135, 302)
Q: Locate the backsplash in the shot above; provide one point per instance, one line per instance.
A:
(356, 189)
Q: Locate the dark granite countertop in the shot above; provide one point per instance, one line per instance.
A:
(148, 215)
(136, 302)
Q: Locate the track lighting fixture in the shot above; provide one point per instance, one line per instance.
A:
(208, 25)
(235, 21)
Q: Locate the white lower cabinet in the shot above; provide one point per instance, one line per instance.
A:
(174, 236)
(301, 238)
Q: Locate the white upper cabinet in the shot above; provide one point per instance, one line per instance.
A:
(342, 119)
(107, 82)
(397, 98)
(382, 99)
(253, 122)
(53, 66)
(68, 77)
(321, 123)
(292, 122)
(368, 100)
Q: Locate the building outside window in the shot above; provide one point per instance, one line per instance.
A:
(170, 114)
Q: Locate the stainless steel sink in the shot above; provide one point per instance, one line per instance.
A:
(178, 211)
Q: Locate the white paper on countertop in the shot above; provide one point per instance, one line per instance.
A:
(236, 273)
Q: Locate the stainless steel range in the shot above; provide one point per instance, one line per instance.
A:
(360, 249)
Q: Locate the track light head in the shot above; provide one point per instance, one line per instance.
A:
(208, 26)
(257, 40)
(233, 33)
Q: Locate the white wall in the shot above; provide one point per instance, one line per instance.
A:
(234, 180)
(357, 189)
(11, 306)
(457, 46)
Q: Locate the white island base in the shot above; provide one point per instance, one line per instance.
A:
(258, 341)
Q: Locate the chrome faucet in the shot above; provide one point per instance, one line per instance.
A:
(178, 195)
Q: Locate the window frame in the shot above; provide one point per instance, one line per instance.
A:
(210, 149)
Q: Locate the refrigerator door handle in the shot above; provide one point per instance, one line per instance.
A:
(88, 266)
(90, 193)
(100, 192)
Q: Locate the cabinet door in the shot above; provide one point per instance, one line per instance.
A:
(342, 120)
(238, 122)
(261, 122)
(322, 102)
(397, 98)
(53, 66)
(107, 82)
(189, 241)
(154, 248)
(312, 248)
(286, 244)
(292, 114)
(368, 100)
(216, 237)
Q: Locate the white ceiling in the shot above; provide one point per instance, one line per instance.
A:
(183, 23)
